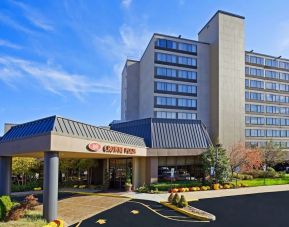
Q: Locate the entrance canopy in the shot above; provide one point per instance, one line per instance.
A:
(72, 139)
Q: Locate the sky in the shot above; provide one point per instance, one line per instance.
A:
(65, 57)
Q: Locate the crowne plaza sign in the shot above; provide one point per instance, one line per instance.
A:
(94, 147)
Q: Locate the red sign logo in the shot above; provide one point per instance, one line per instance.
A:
(93, 146)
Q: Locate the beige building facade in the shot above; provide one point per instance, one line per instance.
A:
(241, 96)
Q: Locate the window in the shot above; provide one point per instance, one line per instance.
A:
(271, 63)
(166, 101)
(187, 47)
(192, 75)
(272, 74)
(188, 116)
(254, 84)
(163, 43)
(254, 60)
(163, 86)
(166, 57)
(254, 96)
(187, 61)
(255, 108)
(187, 102)
(191, 89)
(165, 114)
(161, 71)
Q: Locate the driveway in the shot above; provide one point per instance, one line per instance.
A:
(264, 209)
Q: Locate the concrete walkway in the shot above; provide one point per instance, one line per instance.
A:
(209, 194)
(75, 209)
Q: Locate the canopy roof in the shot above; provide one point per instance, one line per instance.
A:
(63, 126)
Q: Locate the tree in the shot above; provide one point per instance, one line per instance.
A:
(244, 158)
(24, 167)
(253, 159)
(272, 154)
(216, 156)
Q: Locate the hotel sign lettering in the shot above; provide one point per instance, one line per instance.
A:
(94, 147)
(118, 150)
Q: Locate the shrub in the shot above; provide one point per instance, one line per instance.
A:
(175, 190)
(15, 213)
(82, 186)
(170, 199)
(227, 186)
(142, 189)
(5, 206)
(30, 202)
(183, 202)
(198, 188)
(176, 199)
(204, 188)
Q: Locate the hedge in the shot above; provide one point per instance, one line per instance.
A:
(5, 206)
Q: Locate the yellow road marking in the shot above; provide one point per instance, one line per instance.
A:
(135, 212)
(101, 221)
(166, 217)
(78, 224)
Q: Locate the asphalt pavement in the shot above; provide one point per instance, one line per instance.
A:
(264, 210)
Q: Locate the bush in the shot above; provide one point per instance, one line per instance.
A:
(170, 199)
(30, 202)
(176, 199)
(142, 189)
(15, 213)
(26, 187)
(183, 202)
(5, 206)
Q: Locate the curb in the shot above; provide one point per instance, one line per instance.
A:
(202, 217)
(97, 194)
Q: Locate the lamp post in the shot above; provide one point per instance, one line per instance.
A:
(216, 161)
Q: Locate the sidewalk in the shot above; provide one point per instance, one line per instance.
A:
(209, 194)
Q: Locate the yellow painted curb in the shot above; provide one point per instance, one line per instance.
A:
(97, 194)
(185, 212)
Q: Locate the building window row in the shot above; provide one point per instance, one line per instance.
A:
(176, 115)
(267, 62)
(173, 45)
(266, 133)
(181, 88)
(266, 97)
(175, 73)
(254, 84)
(266, 121)
(254, 71)
(254, 108)
(267, 85)
(170, 58)
(177, 102)
(281, 144)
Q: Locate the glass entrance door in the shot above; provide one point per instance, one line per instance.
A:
(118, 170)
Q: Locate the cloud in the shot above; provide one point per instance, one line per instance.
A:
(126, 3)
(6, 43)
(34, 16)
(130, 43)
(10, 22)
(53, 79)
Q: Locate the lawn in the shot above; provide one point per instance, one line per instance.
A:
(31, 219)
(268, 181)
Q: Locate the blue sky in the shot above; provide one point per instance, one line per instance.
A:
(65, 57)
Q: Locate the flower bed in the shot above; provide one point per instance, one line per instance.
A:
(206, 188)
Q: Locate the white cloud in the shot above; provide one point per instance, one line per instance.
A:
(126, 3)
(6, 43)
(14, 71)
(8, 21)
(34, 16)
(130, 44)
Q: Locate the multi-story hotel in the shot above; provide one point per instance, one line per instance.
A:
(238, 95)
(234, 95)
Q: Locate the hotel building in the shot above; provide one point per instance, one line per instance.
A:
(182, 96)
(240, 96)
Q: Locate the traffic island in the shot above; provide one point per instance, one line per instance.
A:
(191, 212)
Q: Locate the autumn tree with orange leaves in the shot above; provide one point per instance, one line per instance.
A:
(244, 158)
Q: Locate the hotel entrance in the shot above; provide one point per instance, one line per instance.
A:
(119, 168)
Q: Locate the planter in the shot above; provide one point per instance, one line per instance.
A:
(128, 187)
(216, 186)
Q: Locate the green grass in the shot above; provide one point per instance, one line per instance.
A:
(31, 219)
(165, 186)
(268, 181)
